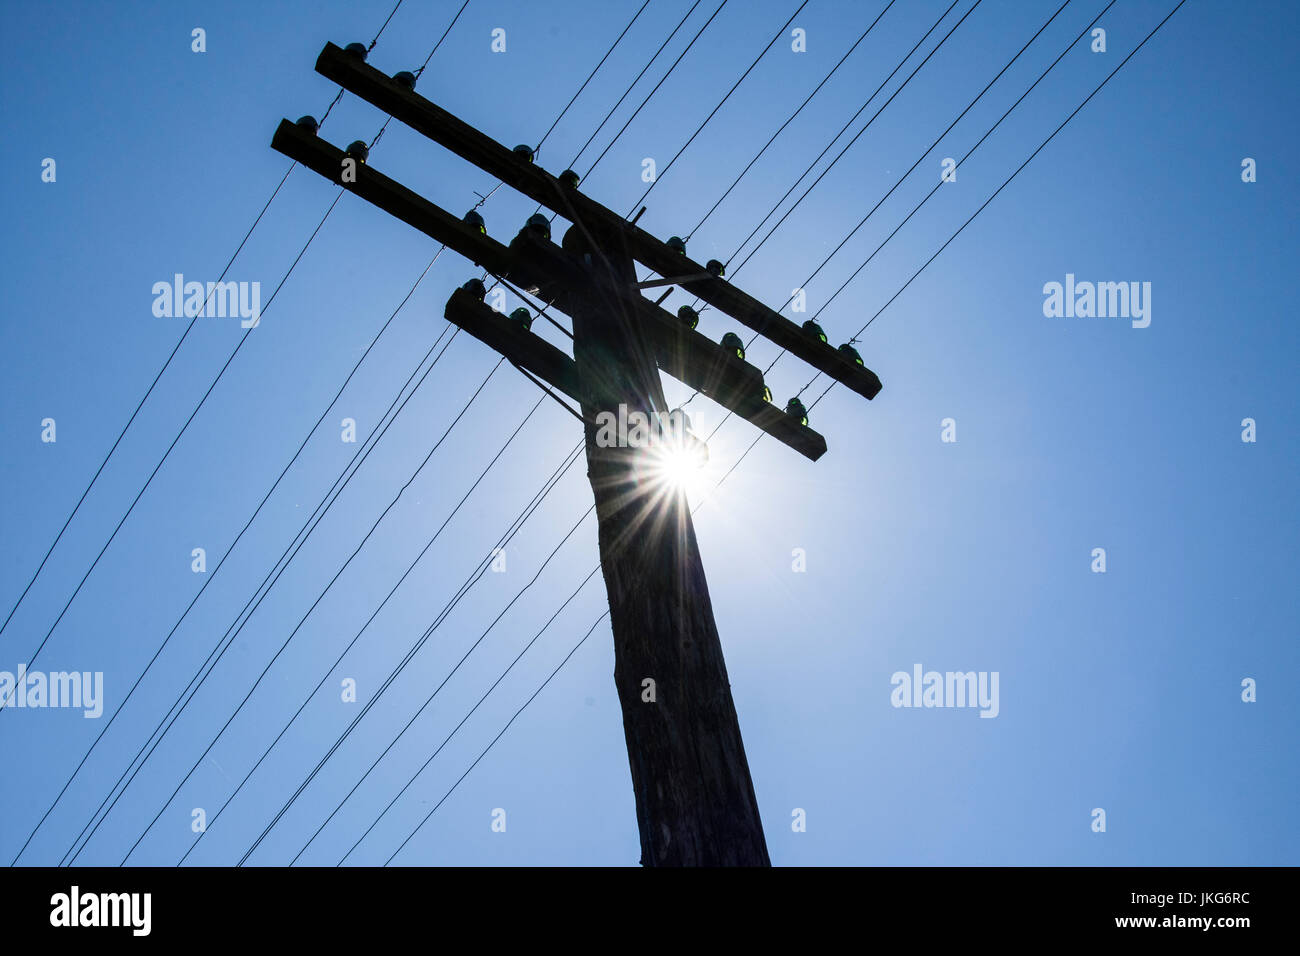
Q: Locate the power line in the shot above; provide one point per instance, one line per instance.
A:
(551, 129)
(549, 392)
(859, 133)
(909, 171)
(1082, 33)
(516, 714)
(442, 616)
(480, 701)
(1024, 164)
(416, 715)
(781, 128)
(384, 25)
(656, 86)
(631, 86)
(267, 205)
(898, 182)
(320, 597)
(418, 72)
(592, 75)
(446, 739)
(852, 232)
(549, 677)
(832, 142)
(149, 480)
(625, 94)
(969, 153)
(369, 621)
(541, 314)
(231, 357)
(140, 405)
(440, 39)
(779, 33)
(233, 544)
(286, 557)
(203, 400)
(843, 129)
(995, 193)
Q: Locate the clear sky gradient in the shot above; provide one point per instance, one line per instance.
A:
(1119, 691)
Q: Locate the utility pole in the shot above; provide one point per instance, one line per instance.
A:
(695, 800)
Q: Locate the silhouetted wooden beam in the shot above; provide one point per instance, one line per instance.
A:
(520, 346)
(395, 199)
(423, 116)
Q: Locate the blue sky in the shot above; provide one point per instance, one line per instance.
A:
(1119, 690)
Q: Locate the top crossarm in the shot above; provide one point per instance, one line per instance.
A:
(518, 171)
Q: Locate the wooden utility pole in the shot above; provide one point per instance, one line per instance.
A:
(695, 803)
(695, 800)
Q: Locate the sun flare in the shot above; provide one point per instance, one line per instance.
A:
(679, 465)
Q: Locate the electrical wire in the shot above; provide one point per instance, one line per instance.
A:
(847, 146)
(336, 99)
(435, 694)
(915, 209)
(140, 404)
(863, 221)
(215, 571)
(591, 76)
(1006, 183)
(320, 597)
(425, 64)
(631, 86)
(898, 182)
(442, 616)
(267, 205)
(656, 87)
(272, 576)
(660, 173)
(492, 744)
(167, 453)
(446, 739)
(362, 630)
(780, 129)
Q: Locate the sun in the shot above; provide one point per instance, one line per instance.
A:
(677, 464)
(679, 468)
